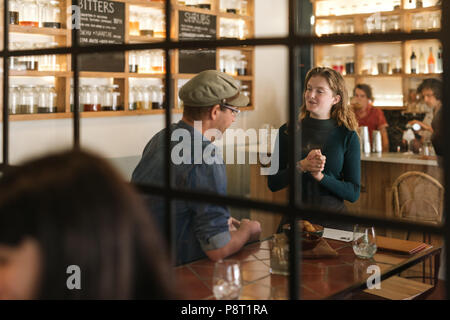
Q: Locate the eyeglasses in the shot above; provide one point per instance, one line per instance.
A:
(233, 109)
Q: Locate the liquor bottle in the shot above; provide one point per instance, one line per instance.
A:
(439, 61)
(413, 62)
(431, 62)
(422, 65)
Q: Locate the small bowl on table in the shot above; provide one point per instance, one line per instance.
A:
(310, 239)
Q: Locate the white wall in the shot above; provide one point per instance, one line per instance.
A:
(122, 138)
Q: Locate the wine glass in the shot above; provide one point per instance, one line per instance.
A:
(227, 280)
(364, 241)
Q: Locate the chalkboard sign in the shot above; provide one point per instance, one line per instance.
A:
(196, 26)
(102, 22)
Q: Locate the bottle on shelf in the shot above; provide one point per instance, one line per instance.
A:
(110, 100)
(93, 100)
(422, 64)
(28, 99)
(413, 60)
(439, 61)
(147, 27)
(133, 66)
(431, 62)
(349, 65)
(13, 12)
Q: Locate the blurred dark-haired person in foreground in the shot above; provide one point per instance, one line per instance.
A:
(72, 228)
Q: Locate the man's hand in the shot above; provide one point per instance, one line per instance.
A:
(233, 224)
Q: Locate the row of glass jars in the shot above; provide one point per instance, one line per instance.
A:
(146, 97)
(28, 99)
(233, 29)
(40, 13)
(383, 24)
(98, 98)
(47, 62)
(371, 65)
(426, 22)
(234, 65)
(327, 27)
(148, 61)
(147, 23)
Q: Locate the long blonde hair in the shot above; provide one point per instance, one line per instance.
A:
(341, 111)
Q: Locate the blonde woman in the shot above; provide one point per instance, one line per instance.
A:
(329, 159)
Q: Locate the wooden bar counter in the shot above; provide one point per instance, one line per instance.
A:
(378, 173)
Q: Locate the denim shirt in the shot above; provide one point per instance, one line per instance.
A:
(197, 165)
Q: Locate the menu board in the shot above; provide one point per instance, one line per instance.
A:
(102, 22)
(196, 26)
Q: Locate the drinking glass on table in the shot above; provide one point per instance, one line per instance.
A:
(364, 241)
(227, 280)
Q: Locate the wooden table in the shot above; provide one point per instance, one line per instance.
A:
(336, 278)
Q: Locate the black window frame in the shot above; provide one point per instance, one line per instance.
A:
(294, 42)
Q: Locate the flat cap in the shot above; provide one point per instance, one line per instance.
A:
(212, 87)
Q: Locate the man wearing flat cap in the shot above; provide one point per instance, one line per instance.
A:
(211, 100)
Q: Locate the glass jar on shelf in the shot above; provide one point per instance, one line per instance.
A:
(134, 23)
(51, 15)
(434, 23)
(243, 9)
(369, 25)
(368, 65)
(160, 25)
(204, 4)
(146, 25)
(132, 102)
(147, 98)
(158, 62)
(326, 62)
(349, 65)
(384, 24)
(338, 65)
(110, 100)
(92, 99)
(394, 24)
(13, 11)
(242, 30)
(144, 61)
(242, 66)
(14, 61)
(222, 63)
(396, 65)
(383, 64)
(230, 65)
(28, 100)
(245, 90)
(339, 27)
(418, 24)
(232, 6)
(133, 66)
(46, 99)
(349, 27)
(14, 99)
(158, 97)
(138, 97)
(29, 13)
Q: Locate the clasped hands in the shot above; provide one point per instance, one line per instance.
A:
(314, 163)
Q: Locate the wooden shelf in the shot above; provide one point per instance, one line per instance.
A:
(147, 75)
(58, 74)
(234, 16)
(35, 30)
(422, 75)
(383, 13)
(144, 39)
(91, 74)
(63, 79)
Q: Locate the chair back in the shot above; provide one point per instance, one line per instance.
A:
(418, 197)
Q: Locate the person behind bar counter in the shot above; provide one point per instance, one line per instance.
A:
(71, 228)
(431, 127)
(368, 115)
(211, 100)
(329, 160)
